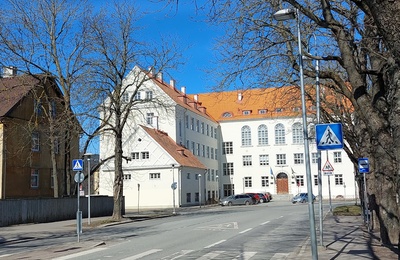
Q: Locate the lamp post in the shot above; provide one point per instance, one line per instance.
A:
(199, 190)
(88, 155)
(283, 15)
(173, 188)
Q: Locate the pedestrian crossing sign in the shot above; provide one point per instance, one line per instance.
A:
(77, 165)
(329, 136)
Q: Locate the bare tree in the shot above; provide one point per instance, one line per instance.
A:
(358, 44)
(116, 50)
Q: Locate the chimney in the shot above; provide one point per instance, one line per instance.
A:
(9, 72)
(183, 90)
(160, 76)
(172, 82)
(151, 70)
(181, 151)
(240, 96)
(196, 98)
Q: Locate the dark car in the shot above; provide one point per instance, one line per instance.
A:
(263, 197)
(269, 195)
(255, 197)
(302, 198)
(239, 199)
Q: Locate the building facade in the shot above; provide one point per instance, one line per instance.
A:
(243, 141)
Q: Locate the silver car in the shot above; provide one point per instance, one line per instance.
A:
(239, 199)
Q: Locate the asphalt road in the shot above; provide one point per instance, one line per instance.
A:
(265, 231)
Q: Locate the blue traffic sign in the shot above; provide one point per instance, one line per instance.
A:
(329, 136)
(77, 165)
(363, 165)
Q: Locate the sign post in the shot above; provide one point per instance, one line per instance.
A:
(363, 167)
(328, 171)
(77, 165)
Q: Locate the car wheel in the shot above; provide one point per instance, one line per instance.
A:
(229, 203)
(261, 201)
(247, 203)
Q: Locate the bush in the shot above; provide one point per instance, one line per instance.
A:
(347, 211)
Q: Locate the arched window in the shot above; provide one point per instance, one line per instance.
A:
(280, 134)
(297, 133)
(246, 136)
(262, 135)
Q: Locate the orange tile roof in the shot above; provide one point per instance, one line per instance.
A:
(254, 103)
(182, 155)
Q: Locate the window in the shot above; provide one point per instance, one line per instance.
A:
(208, 151)
(188, 197)
(279, 134)
(300, 180)
(212, 131)
(246, 136)
(262, 111)
(125, 97)
(216, 152)
(246, 112)
(35, 142)
(180, 128)
(188, 175)
(337, 157)
(193, 147)
(212, 175)
(135, 155)
(227, 168)
(298, 158)
(202, 128)
(297, 133)
(196, 197)
(314, 157)
(264, 181)
(149, 95)
(191, 123)
(208, 175)
(203, 151)
(156, 175)
(215, 133)
(247, 160)
(187, 144)
(227, 114)
(196, 177)
(137, 96)
(212, 153)
(279, 110)
(197, 126)
(262, 135)
(338, 179)
(35, 178)
(227, 148)
(264, 159)
(149, 118)
(145, 155)
(248, 182)
(315, 180)
(187, 121)
(281, 159)
(127, 176)
(198, 149)
(207, 130)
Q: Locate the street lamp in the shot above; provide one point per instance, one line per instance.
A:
(88, 155)
(199, 189)
(283, 15)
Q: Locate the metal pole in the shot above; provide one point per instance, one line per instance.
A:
(366, 210)
(89, 188)
(329, 185)
(200, 190)
(306, 147)
(173, 189)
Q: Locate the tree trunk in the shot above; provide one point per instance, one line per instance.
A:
(119, 177)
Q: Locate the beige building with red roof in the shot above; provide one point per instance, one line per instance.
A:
(237, 141)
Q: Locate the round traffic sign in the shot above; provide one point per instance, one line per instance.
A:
(79, 177)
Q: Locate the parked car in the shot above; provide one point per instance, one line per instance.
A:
(302, 198)
(239, 199)
(269, 195)
(263, 197)
(255, 197)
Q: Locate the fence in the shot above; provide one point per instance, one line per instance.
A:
(21, 211)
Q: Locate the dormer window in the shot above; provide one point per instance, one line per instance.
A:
(262, 111)
(227, 114)
(296, 109)
(246, 112)
(279, 110)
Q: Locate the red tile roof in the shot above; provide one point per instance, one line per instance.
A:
(182, 155)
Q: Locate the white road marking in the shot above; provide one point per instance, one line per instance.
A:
(219, 242)
(246, 255)
(244, 231)
(76, 255)
(138, 256)
(5, 255)
(280, 256)
(266, 222)
(177, 255)
(210, 255)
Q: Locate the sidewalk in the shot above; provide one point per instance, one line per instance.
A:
(345, 237)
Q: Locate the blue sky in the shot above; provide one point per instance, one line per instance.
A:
(196, 38)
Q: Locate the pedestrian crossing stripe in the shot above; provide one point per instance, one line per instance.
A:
(329, 136)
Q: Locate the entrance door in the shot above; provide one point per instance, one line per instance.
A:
(282, 183)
